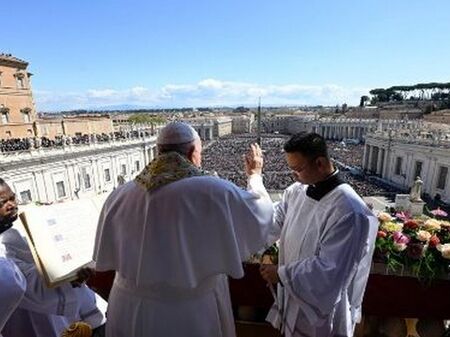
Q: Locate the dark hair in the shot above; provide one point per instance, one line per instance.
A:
(2, 182)
(311, 145)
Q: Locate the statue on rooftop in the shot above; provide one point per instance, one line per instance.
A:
(416, 190)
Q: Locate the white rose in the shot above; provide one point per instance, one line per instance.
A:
(432, 224)
(399, 246)
(445, 250)
(423, 235)
(383, 217)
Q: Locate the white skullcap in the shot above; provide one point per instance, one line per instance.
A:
(177, 133)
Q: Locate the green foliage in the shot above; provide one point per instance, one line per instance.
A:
(432, 90)
(146, 119)
(363, 100)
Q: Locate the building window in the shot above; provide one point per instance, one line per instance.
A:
(26, 116)
(442, 178)
(25, 197)
(60, 189)
(107, 175)
(138, 165)
(86, 178)
(418, 169)
(5, 117)
(124, 170)
(398, 166)
(20, 82)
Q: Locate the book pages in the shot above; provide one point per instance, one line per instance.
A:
(62, 236)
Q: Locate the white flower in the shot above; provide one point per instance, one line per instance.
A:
(432, 224)
(383, 217)
(445, 250)
(399, 246)
(423, 235)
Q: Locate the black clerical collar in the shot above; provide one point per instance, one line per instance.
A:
(322, 188)
(4, 227)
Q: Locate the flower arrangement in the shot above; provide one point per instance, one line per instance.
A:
(419, 244)
(268, 256)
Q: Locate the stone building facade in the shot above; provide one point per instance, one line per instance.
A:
(441, 117)
(242, 123)
(18, 118)
(344, 128)
(222, 126)
(73, 126)
(17, 110)
(70, 172)
(399, 156)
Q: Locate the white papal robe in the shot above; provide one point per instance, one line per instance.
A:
(172, 248)
(326, 248)
(12, 288)
(45, 312)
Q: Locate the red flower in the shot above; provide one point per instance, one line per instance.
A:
(434, 241)
(381, 234)
(411, 224)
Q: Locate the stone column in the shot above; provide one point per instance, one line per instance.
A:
(365, 157)
(380, 161)
(369, 161)
(146, 155)
(372, 159)
(385, 172)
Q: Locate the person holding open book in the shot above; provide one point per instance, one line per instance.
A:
(43, 311)
(12, 282)
(173, 235)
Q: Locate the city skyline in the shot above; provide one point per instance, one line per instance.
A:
(174, 54)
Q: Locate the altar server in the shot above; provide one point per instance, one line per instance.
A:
(327, 236)
(43, 312)
(173, 235)
(12, 289)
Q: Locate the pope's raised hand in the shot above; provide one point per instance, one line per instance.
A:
(253, 160)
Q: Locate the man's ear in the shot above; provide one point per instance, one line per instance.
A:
(191, 153)
(321, 162)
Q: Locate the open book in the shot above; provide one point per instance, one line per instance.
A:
(61, 237)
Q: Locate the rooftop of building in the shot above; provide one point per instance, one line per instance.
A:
(8, 58)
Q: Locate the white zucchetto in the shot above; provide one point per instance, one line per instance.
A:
(177, 133)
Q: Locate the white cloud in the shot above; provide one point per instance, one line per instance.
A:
(207, 92)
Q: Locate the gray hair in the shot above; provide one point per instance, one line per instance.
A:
(183, 148)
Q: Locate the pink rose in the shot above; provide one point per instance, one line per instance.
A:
(404, 216)
(439, 212)
(400, 238)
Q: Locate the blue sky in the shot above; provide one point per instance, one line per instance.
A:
(96, 53)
